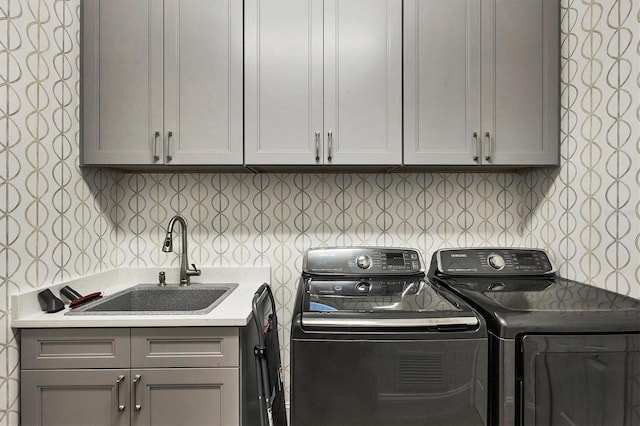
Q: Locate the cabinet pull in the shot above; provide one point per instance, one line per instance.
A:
(317, 147)
(136, 380)
(330, 142)
(169, 136)
(489, 146)
(156, 135)
(119, 380)
(477, 143)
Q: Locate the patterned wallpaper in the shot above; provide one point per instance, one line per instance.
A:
(59, 222)
(587, 213)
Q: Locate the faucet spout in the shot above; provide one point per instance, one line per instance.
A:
(185, 272)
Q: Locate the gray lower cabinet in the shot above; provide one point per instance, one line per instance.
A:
(178, 396)
(481, 82)
(74, 397)
(323, 82)
(139, 376)
(161, 82)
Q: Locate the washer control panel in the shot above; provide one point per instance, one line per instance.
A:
(493, 261)
(362, 261)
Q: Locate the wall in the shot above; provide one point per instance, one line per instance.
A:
(58, 221)
(587, 213)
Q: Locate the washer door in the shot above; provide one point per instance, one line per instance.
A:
(582, 379)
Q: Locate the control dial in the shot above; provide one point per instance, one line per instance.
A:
(496, 261)
(363, 261)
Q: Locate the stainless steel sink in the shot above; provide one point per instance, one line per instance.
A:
(146, 299)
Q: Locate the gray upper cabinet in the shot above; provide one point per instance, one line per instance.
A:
(482, 93)
(442, 81)
(323, 82)
(162, 82)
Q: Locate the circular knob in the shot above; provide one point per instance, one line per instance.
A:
(496, 261)
(363, 261)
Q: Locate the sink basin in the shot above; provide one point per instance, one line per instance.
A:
(145, 299)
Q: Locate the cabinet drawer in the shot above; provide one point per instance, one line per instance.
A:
(184, 347)
(55, 348)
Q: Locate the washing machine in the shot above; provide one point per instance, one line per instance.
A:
(374, 343)
(561, 352)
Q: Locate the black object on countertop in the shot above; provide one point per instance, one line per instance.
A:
(70, 293)
(76, 299)
(50, 302)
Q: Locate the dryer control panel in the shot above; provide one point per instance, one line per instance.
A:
(362, 261)
(493, 261)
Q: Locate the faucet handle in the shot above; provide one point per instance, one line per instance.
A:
(194, 271)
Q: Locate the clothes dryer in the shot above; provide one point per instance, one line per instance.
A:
(560, 351)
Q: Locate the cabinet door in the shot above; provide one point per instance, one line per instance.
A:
(283, 82)
(520, 69)
(74, 397)
(363, 81)
(203, 82)
(186, 396)
(442, 82)
(323, 89)
(121, 81)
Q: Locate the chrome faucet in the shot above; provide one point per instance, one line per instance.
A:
(185, 272)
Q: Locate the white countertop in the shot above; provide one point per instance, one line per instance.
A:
(234, 310)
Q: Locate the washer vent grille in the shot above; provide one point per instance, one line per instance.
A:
(421, 369)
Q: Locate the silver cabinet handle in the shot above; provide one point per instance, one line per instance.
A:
(317, 147)
(169, 136)
(330, 142)
(119, 380)
(489, 146)
(476, 139)
(136, 380)
(156, 135)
